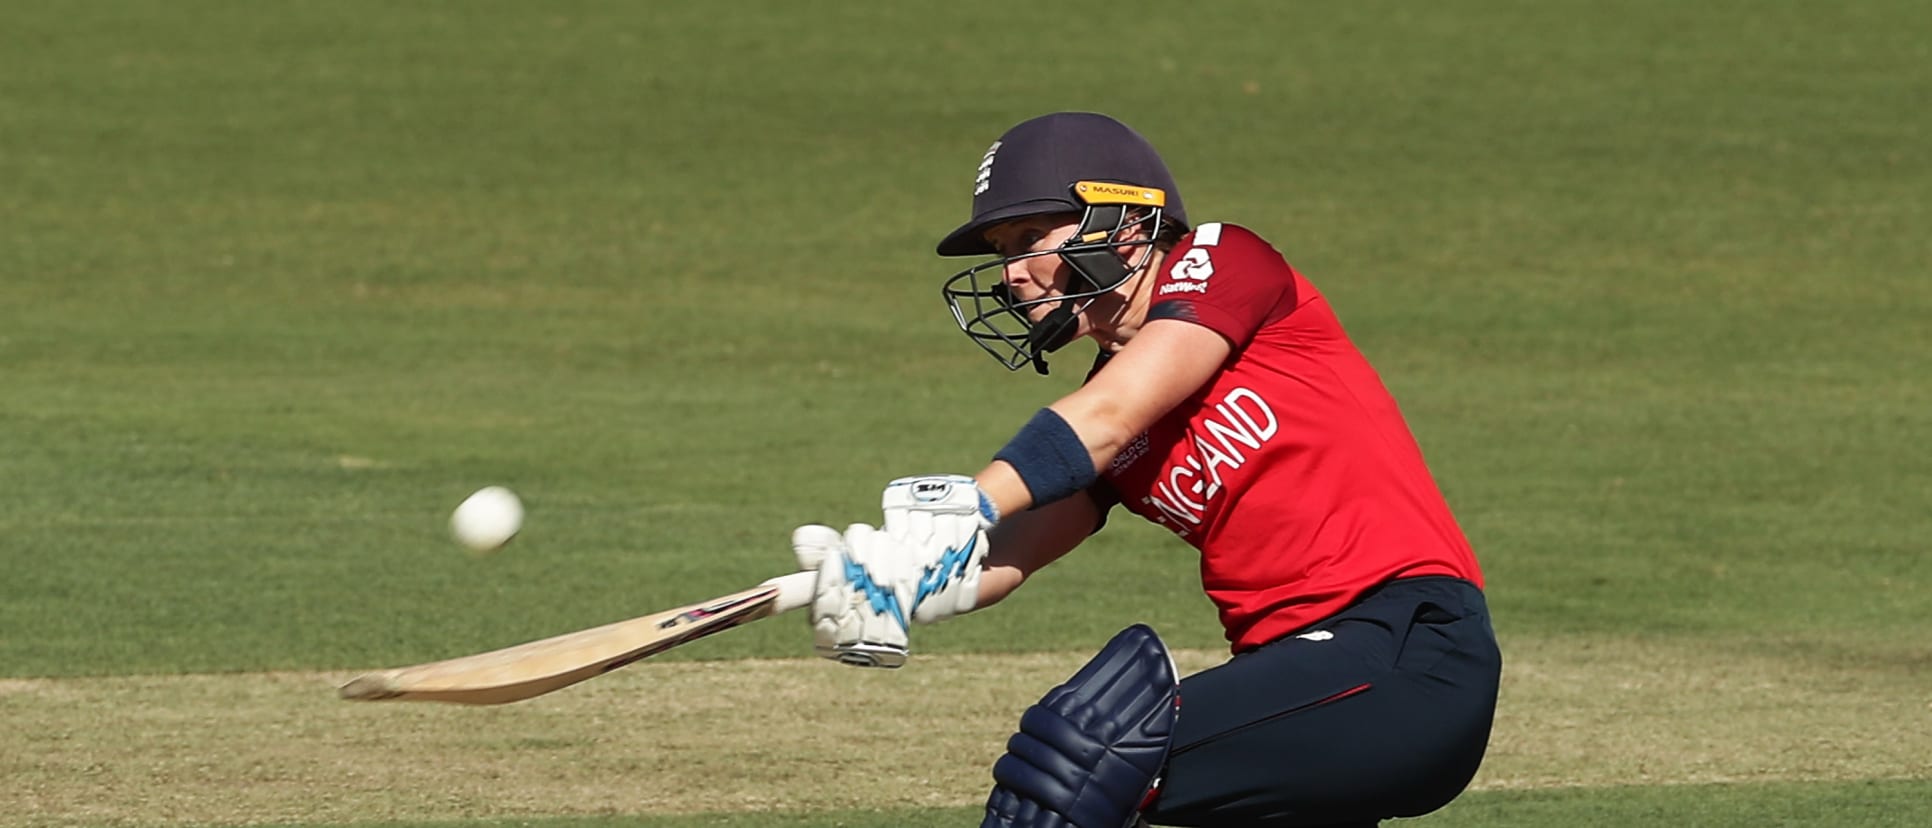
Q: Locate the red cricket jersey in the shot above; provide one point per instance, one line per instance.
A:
(1291, 470)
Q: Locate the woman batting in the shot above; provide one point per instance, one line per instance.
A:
(1227, 404)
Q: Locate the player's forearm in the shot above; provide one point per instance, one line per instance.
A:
(1025, 541)
(1051, 457)
(1103, 425)
(1002, 485)
(1167, 362)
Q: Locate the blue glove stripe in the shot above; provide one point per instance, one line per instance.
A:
(987, 510)
(936, 577)
(882, 600)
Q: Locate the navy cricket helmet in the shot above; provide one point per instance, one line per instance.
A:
(1065, 162)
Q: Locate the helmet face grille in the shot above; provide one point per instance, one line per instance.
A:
(985, 311)
(984, 308)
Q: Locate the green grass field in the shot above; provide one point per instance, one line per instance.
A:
(280, 283)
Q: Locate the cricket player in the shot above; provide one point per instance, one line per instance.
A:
(1227, 404)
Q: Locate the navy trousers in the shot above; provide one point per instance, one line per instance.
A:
(1380, 711)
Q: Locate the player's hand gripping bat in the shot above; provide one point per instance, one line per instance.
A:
(538, 667)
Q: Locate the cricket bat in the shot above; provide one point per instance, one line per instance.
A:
(538, 667)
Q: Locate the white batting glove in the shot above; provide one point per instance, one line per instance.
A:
(942, 522)
(923, 566)
(813, 543)
(846, 625)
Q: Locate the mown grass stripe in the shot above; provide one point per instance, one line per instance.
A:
(801, 736)
(1887, 804)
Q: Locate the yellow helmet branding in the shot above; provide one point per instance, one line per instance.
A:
(1102, 192)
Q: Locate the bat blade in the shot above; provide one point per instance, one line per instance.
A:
(538, 667)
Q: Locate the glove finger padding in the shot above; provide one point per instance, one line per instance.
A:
(813, 543)
(856, 617)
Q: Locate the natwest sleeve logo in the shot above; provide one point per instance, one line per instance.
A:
(1191, 269)
(1194, 264)
(1189, 273)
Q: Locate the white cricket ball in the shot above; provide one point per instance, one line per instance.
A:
(488, 519)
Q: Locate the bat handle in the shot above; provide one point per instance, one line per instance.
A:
(794, 590)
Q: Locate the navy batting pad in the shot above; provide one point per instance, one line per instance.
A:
(1088, 753)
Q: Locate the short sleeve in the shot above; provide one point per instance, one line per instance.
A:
(1225, 278)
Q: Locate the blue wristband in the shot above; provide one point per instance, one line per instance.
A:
(1050, 458)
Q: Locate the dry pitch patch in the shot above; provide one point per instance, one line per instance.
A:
(757, 735)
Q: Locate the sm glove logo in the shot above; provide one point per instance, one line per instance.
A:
(931, 491)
